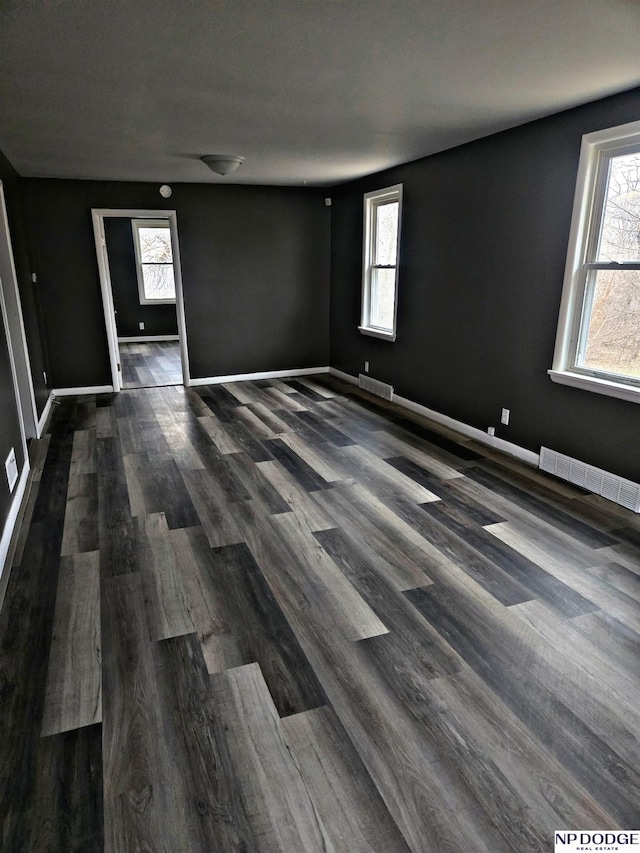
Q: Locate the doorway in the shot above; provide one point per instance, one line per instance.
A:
(140, 276)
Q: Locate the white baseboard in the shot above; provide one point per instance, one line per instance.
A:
(83, 389)
(14, 512)
(141, 339)
(346, 377)
(479, 435)
(44, 417)
(266, 374)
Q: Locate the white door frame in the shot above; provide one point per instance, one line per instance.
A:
(99, 215)
(16, 335)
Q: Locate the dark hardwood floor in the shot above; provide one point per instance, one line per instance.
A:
(275, 616)
(150, 364)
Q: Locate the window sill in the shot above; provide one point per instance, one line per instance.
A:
(597, 386)
(376, 333)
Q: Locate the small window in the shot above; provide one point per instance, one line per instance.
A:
(154, 260)
(382, 215)
(598, 342)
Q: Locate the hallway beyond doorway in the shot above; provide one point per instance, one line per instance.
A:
(150, 364)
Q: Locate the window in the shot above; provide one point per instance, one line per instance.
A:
(154, 261)
(382, 213)
(598, 341)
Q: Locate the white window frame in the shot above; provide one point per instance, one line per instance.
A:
(373, 200)
(149, 223)
(597, 148)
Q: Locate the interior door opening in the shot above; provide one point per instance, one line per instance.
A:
(139, 261)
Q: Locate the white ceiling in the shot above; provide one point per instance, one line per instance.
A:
(306, 90)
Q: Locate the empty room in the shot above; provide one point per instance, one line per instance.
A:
(319, 386)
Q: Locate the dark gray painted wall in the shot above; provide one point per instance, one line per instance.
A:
(9, 425)
(484, 240)
(255, 265)
(157, 319)
(10, 435)
(29, 292)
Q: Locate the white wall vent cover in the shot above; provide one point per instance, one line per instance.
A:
(614, 488)
(11, 467)
(374, 386)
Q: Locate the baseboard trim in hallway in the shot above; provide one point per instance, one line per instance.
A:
(83, 390)
(147, 339)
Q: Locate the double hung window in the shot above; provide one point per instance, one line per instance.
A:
(598, 341)
(382, 216)
(154, 261)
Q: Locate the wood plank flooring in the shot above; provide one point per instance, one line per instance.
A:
(150, 364)
(281, 617)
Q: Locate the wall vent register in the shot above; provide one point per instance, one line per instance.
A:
(609, 486)
(11, 467)
(374, 386)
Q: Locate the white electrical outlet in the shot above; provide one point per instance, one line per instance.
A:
(366, 367)
(504, 417)
(11, 467)
(141, 326)
(491, 430)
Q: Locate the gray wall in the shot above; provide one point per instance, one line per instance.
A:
(29, 292)
(484, 240)
(9, 419)
(255, 265)
(157, 319)
(9, 426)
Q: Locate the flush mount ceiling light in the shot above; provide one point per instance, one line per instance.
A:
(223, 164)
